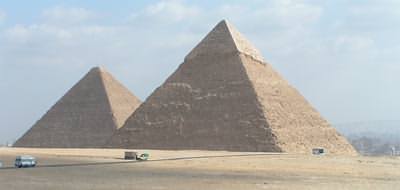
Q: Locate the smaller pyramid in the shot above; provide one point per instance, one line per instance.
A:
(86, 116)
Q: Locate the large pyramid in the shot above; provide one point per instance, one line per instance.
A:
(86, 116)
(226, 97)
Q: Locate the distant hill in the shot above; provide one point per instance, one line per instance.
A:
(385, 130)
(372, 137)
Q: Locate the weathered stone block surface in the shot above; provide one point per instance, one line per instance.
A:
(85, 117)
(225, 97)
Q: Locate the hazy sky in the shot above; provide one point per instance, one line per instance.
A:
(343, 56)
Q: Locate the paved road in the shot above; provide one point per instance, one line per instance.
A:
(106, 173)
(65, 173)
(45, 162)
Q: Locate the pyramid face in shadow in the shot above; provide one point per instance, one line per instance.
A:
(224, 96)
(86, 116)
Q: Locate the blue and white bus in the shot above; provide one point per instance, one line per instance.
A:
(25, 161)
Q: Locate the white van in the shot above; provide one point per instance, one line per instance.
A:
(25, 161)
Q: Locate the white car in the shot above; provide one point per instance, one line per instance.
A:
(25, 161)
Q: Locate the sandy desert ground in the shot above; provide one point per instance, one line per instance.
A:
(105, 169)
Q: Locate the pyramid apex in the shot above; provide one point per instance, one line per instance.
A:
(225, 38)
(98, 68)
(223, 21)
(226, 23)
